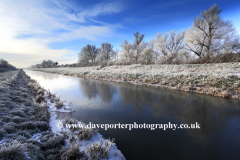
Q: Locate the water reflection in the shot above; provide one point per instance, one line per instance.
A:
(105, 102)
(212, 113)
(92, 90)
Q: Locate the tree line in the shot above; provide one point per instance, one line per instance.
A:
(210, 39)
(45, 64)
(5, 64)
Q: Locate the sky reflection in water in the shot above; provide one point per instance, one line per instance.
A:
(103, 102)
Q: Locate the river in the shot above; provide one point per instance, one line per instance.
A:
(102, 102)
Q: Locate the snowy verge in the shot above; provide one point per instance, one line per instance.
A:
(219, 79)
(86, 145)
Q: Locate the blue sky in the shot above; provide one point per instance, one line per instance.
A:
(32, 31)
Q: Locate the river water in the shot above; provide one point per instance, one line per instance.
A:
(102, 102)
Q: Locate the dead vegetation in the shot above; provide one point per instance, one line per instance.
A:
(72, 152)
(86, 133)
(59, 104)
(24, 113)
(99, 150)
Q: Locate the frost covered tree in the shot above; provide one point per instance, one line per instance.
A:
(106, 53)
(3, 63)
(235, 48)
(169, 45)
(209, 33)
(93, 52)
(88, 53)
(126, 53)
(131, 53)
(83, 58)
(138, 48)
(147, 56)
(47, 64)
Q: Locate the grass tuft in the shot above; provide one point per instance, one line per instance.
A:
(13, 151)
(53, 142)
(71, 152)
(99, 151)
(59, 104)
(40, 98)
(85, 133)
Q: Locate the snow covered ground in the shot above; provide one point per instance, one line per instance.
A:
(216, 69)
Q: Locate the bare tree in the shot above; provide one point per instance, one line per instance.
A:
(170, 45)
(209, 33)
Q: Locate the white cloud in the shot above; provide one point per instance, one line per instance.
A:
(101, 9)
(40, 21)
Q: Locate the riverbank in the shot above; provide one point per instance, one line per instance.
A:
(220, 79)
(29, 129)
